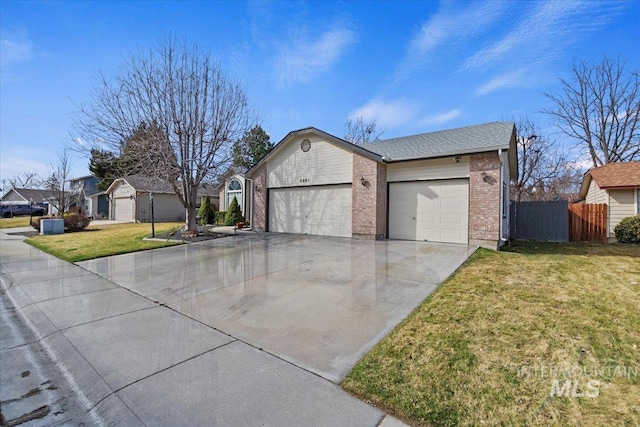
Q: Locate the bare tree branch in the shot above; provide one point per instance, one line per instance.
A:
(56, 188)
(544, 172)
(194, 114)
(26, 180)
(359, 132)
(600, 108)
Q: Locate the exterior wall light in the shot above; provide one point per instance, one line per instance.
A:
(456, 159)
(363, 181)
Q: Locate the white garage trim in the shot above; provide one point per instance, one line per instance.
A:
(123, 209)
(318, 210)
(434, 211)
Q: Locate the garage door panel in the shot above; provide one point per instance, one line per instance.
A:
(435, 211)
(318, 210)
(123, 209)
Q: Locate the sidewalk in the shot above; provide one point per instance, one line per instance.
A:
(130, 361)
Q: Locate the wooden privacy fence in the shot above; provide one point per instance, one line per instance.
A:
(588, 222)
(558, 221)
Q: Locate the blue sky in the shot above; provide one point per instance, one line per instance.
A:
(415, 66)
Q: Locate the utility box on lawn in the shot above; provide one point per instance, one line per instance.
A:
(51, 226)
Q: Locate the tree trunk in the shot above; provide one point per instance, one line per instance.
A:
(191, 209)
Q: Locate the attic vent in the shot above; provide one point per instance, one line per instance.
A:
(305, 145)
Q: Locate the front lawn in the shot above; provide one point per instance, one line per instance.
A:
(100, 241)
(510, 329)
(16, 221)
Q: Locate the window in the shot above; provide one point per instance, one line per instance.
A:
(234, 190)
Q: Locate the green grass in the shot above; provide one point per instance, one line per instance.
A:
(459, 358)
(18, 221)
(100, 241)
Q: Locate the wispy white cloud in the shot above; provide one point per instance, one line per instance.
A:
(541, 35)
(438, 119)
(450, 25)
(15, 49)
(302, 60)
(537, 32)
(388, 114)
(509, 79)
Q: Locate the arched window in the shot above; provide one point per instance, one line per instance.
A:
(234, 190)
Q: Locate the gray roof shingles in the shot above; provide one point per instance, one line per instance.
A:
(465, 140)
(148, 184)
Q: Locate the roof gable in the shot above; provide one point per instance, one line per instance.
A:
(623, 175)
(617, 175)
(466, 140)
(37, 195)
(308, 131)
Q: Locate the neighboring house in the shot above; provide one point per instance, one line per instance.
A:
(448, 186)
(24, 196)
(129, 199)
(93, 202)
(233, 185)
(618, 186)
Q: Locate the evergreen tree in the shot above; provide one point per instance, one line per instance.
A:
(104, 166)
(234, 214)
(206, 213)
(251, 148)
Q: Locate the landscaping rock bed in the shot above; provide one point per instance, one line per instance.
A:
(201, 237)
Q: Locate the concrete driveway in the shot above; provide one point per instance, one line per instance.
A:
(226, 332)
(319, 303)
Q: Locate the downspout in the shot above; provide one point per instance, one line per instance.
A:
(250, 202)
(502, 207)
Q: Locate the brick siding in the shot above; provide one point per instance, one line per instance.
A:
(369, 202)
(484, 197)
(259, 177)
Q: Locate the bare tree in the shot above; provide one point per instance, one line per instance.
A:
(359, 132)
(196, 112)
(55, 186)
(600, 108)
(25, 180)
(542, 167)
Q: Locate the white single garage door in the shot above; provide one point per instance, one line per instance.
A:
(435, 211)
(123, 209)
(319, 210)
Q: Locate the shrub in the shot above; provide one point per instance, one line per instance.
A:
(220, 216)
(76, 222)
(628, 230)
(206, 213)
(234, 214)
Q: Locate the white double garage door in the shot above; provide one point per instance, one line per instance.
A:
(435, 211)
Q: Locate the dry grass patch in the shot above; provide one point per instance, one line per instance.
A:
(100, 241)
(461, 357)
(18, 221)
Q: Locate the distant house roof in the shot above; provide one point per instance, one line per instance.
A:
(145, 184)
(611, 176)
(89, 184)
(37, 195)
(465, 140)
